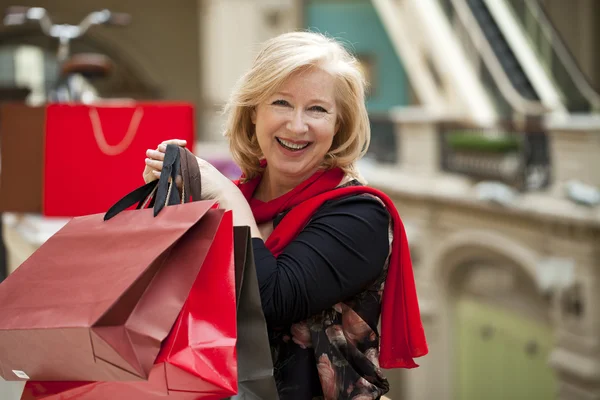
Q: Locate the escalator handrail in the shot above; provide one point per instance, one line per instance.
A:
(564, 54)
(514, 98)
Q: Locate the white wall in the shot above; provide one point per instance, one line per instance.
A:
(231, 32)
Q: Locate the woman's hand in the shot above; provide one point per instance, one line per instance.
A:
(155, 158)
(215, 186)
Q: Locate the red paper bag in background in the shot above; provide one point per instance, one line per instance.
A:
(94, 154)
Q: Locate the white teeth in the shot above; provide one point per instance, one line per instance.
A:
(292, 146)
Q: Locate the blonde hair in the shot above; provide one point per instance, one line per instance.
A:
(279, 58)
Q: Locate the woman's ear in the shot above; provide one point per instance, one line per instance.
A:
(253, 115)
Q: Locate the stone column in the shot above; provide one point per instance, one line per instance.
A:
(417, 140)
(575, 149)
(576, 355)
(230, 33)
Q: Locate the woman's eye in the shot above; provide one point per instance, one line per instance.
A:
(280, 103)
(318, 108)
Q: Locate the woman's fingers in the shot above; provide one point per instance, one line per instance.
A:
(178, 142)
(157, 165)
(163, 146)
(155, 155)
(155, 158)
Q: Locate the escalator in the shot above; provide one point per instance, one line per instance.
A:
(578, 95)
(504, 53)
(497, 67)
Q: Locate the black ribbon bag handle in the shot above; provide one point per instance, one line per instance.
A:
(190, 172)
(165, 195)
(163, 192)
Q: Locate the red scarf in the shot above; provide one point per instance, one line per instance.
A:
(402, 334)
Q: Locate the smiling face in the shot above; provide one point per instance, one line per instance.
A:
(295, 126)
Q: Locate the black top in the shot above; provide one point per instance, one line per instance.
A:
(337, 255)
(330, 276)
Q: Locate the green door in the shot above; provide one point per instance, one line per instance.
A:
(501, 355)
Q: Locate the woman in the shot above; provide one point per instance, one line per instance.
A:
(297, 124)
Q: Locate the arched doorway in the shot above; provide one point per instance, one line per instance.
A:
(502, 335)
(477, 273)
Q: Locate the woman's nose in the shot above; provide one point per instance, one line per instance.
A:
(297, 124)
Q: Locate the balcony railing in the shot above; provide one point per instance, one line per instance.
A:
(513, 155)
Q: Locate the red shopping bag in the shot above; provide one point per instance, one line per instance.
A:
(193, 356)
(70, 160)
(98, 298)
(87, 146)
(218, 346)
(198, 359)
